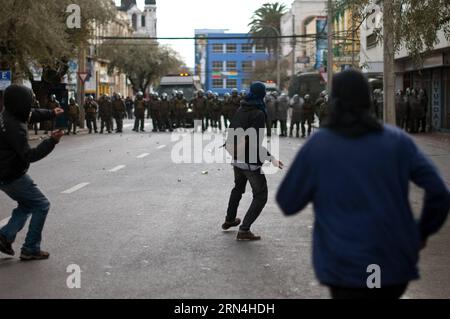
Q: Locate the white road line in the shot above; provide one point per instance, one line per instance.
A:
(75, 188)
(143, 155)
(128, 125)
(117, 168)
(4, 222)
(161, 147)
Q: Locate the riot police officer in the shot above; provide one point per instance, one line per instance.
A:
(139, 113)
(119, 111)
(227, 109)
(105, 115)
(235, 102)
(199, 106)
(401, 109)
(153, 111)
(73, 116)
(90, 109)
(180, 108)
(321, 107)
(424, 103)
(164, 112)
(216, 112)
(52, 105)
(416, 111)
(209, 107)
(281, 113)
(271, 102)
(307, 115)
(297, 106)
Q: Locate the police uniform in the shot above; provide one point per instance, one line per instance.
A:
(119, 112)
(73, 116)
(90, 109)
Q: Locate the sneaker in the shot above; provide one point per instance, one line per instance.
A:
(247, 236)
(6, 247)
(228, 225)
(41, 255)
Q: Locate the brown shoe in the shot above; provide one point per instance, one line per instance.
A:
(228, 225)
(247, 236)
(25, 256)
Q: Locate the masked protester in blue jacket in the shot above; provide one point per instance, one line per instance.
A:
(356, 172)
(15, 158)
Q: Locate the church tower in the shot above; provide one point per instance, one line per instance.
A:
(150, 18)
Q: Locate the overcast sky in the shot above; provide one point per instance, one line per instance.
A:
(179, 18)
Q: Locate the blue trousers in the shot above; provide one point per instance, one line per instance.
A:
(30, 201)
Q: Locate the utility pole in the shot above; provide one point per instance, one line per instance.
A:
(389, 72)
(80, 83)
(294, 45)
(330, 46)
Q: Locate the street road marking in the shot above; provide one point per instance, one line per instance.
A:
(75, 188)
(117, 168)
(143, 155)
(4, 222)
(161, 147)
(128, 125)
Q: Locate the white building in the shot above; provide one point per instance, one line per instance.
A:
(371, 54)
(143, 22)
(295, 22)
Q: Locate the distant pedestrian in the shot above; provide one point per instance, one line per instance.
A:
(15, 158)
(249, 155)
(356, 172)
(129, 105)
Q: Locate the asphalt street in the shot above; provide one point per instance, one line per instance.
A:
(140, 226)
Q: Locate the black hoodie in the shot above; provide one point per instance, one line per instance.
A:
(15, 152)
(248, 116)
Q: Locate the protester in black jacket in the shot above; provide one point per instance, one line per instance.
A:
(15, 158)
(244, 142)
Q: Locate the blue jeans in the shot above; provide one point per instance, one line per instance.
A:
(30, 201)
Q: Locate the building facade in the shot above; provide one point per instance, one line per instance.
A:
(143, 22)
(298, 21)
(346, 45)
(225, 61)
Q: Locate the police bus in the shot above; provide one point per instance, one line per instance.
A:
(185, 82)
(311, 83)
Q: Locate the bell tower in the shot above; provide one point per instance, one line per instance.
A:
(150, 18)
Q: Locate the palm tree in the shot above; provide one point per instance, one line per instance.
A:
(266, 23)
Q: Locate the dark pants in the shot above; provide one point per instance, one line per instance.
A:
(297, 126)
(130, 114)
(310, 122)
(91, 123)
(119, 123)
(30, 201)
(72, 125)
(391, 292)
(258, 183)
(139, 123)
(106, 122)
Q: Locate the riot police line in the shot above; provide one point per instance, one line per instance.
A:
(168, 113)
(171, 112)
(411, 108)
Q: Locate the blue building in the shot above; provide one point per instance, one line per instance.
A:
(225, 61)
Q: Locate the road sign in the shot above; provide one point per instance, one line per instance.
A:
(83, 76)
(5, 79)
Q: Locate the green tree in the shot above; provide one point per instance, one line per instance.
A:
(144, 63)
(415, 22)
(265, 24)
(35, 32)
(410, 24)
